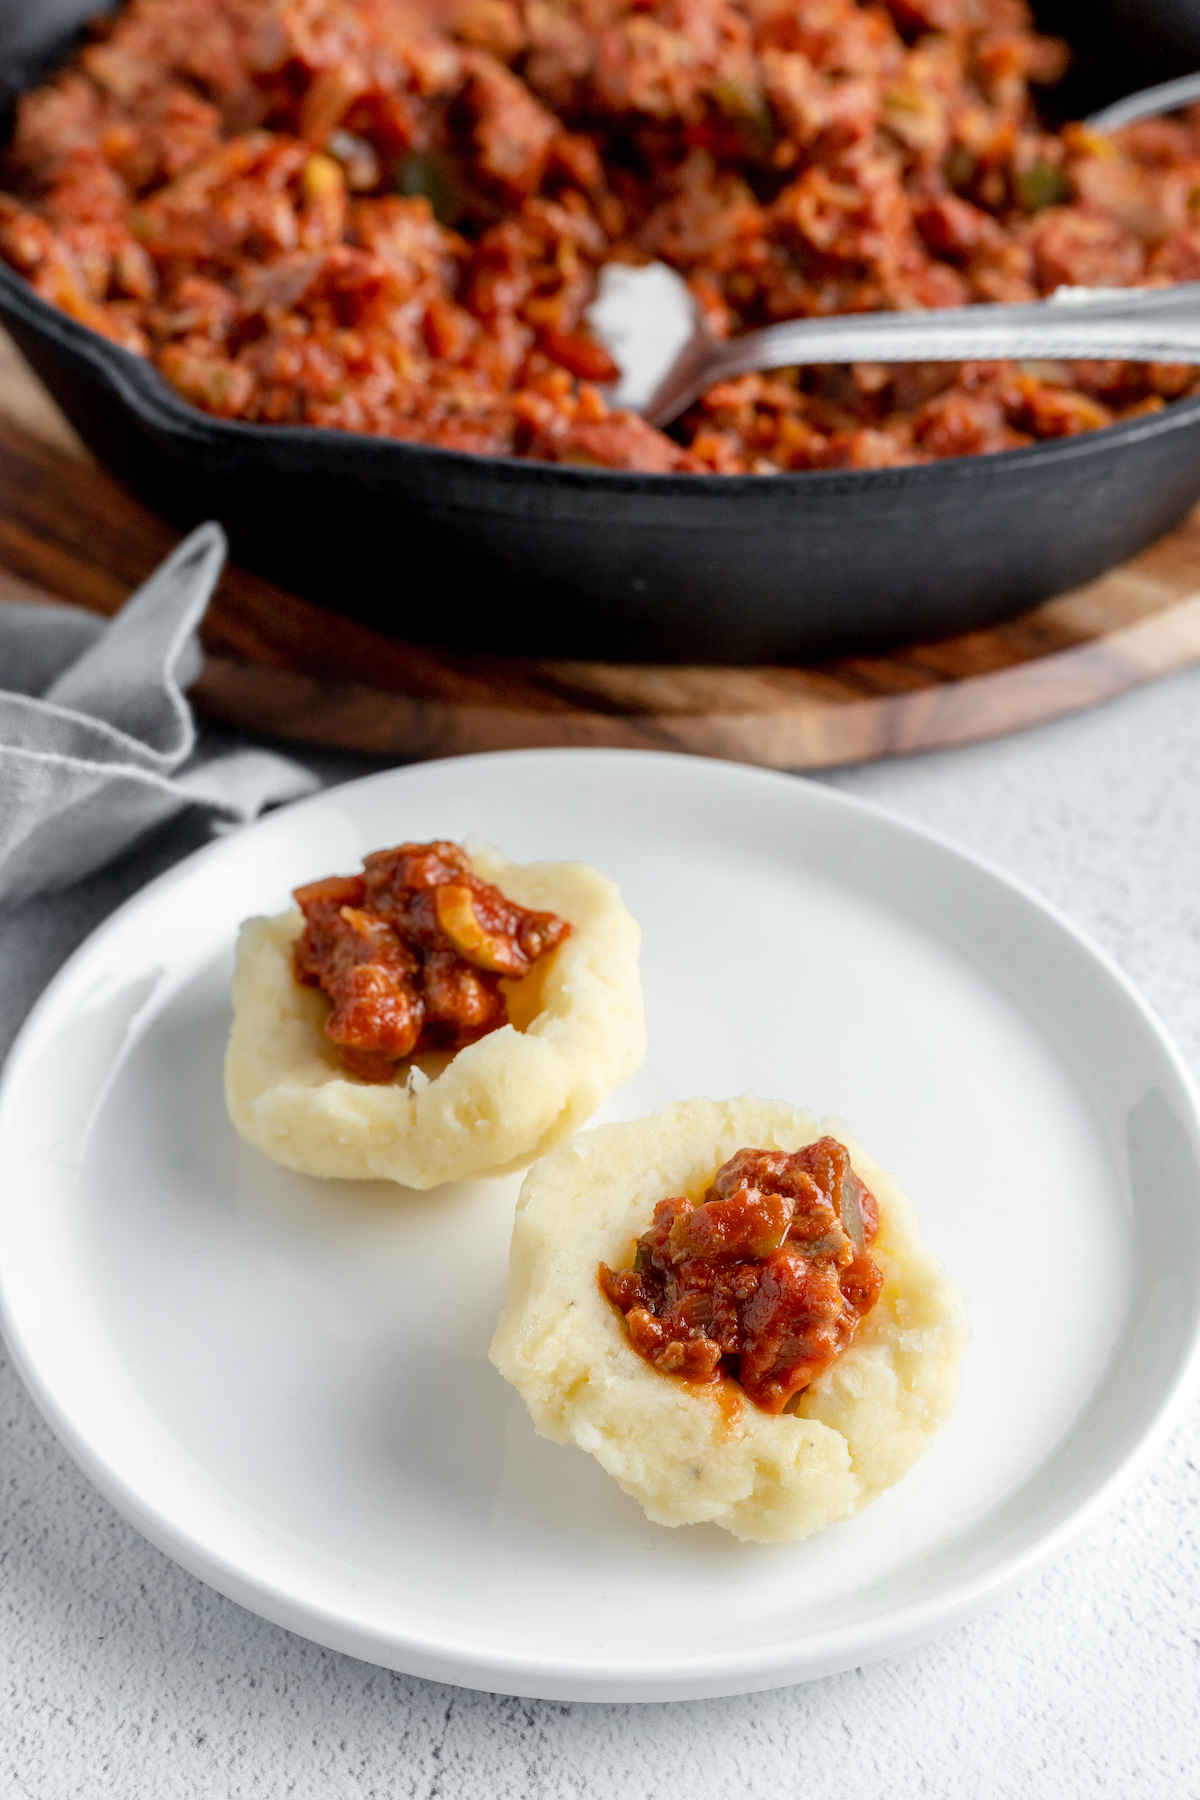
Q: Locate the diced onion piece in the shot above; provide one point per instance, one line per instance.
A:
(852, 1219)
(368, 926)
(485, 949)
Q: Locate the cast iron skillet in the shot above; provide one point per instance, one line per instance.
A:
(491, 553)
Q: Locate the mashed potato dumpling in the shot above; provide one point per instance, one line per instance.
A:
(576, 1030)
(691, 1452)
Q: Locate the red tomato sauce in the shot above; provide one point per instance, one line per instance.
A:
(765, 1281)
(411, 954)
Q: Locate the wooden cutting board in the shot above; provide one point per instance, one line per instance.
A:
(279, 665)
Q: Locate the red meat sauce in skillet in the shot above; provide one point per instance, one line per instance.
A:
(388, 218)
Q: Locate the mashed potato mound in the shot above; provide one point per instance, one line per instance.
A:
(576, 1031)
(691, 1453)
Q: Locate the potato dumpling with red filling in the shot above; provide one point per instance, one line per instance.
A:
(474, 1068)
(696, 1450)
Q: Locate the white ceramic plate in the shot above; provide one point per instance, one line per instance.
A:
(285, 1385)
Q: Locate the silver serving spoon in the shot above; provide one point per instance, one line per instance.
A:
(649, 323)
(1127, 324)
(1147, 103)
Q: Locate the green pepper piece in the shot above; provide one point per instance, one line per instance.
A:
(426, 175)
(1041, 184)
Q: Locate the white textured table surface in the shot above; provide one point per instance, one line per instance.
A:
(119, 1674)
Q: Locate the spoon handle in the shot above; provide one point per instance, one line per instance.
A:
(1131, 325)
(1148, 103)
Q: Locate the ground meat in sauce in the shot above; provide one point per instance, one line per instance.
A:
(388, 218)
(765, 1280)
(412, 953)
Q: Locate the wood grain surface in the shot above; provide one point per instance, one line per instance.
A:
(279, 665)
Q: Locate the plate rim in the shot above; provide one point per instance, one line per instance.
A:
(704, 1674)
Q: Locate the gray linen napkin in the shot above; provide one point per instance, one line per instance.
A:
(97, 742)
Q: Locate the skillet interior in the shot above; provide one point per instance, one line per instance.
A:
(488, 553)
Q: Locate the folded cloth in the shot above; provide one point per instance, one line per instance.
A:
(97, 741)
